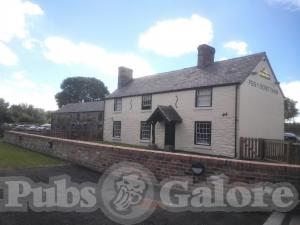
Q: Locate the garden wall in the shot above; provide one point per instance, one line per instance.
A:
(163, 164)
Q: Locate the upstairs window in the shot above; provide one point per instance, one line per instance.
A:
(146, 102)
(145, 131)
(204, 97)
(202, 133)
(118, 105)
(117, 129)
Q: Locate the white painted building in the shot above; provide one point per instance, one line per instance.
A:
(203, 109)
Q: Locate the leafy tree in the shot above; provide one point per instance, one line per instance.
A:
(290, 110)
(77, 89)
(24, 113)
(4, 113)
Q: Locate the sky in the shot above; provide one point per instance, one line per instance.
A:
(43, 42)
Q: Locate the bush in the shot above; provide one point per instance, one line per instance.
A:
(1, 130)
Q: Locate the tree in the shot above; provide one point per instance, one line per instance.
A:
(77, 89)
(290, 110)
(4, 113)
(24, 113)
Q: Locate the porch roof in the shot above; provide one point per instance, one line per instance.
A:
(165, 113)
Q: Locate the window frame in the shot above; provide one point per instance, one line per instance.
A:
(195, 133)
(146, 107)
(197, 95)
(114, 130)
(141, 131)
(116, 104)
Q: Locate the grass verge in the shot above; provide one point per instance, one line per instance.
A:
(16, 157)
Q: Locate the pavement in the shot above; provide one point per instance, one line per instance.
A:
(159, 217)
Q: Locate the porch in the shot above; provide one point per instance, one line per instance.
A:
(170, 117)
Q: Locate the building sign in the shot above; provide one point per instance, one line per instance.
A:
(262, 87)
(264, 74)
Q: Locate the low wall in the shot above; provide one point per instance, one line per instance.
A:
(163, 164)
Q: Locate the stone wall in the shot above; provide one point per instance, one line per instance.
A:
(163, 164)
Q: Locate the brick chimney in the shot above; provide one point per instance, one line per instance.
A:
(206, 56)
(124, 77)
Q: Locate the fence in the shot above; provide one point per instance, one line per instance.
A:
(269, 150)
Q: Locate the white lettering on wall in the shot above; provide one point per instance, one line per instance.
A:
(262, 87)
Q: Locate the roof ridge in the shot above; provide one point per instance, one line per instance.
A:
(176, 70)
(244, 56)
(162, 73)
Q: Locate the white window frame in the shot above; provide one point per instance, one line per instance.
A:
(146, 102)
(145, 131)
(118, 104)
(117, 128)
(203, 93)
(203, 132)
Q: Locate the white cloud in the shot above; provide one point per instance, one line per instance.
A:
(291, 90)
(14, 24)
(7, 57)
(13, 14)
(178, 36)
(30, 43)
(288, 4)
(63, 51)
(16, 88)
(240, 47)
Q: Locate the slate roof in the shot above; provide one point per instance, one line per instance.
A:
(82, 107)
(167, 113)
(224, 72)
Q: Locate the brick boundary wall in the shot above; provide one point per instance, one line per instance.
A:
(163, 164)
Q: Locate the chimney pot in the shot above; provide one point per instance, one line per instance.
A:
(206, 56)
(124, 76)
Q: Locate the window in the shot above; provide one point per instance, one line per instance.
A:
(203, 133)
(100, 116)
(145, 131)
(204, 97)
(146, 102)
(117, 129)
(118, 104)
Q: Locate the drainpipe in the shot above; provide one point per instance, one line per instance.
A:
(235, 121)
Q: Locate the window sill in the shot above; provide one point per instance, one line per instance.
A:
(116, 139)
(203, 147)
(117, 112)
(146, 110)
(203, 108)
(145, 141)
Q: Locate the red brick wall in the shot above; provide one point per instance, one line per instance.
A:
(162, 164)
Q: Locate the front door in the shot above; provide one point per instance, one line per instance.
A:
(169, 136)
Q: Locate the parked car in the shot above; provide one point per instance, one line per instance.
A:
(20, 127)
(45, 127)
(291, 137)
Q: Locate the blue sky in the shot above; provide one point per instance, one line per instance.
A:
(42, 42)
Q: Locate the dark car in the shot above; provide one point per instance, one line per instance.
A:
(291, 137)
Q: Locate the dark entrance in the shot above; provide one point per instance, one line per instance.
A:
(170, 117)
(169, 136)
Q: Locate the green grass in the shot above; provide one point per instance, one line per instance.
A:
(15, 157)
